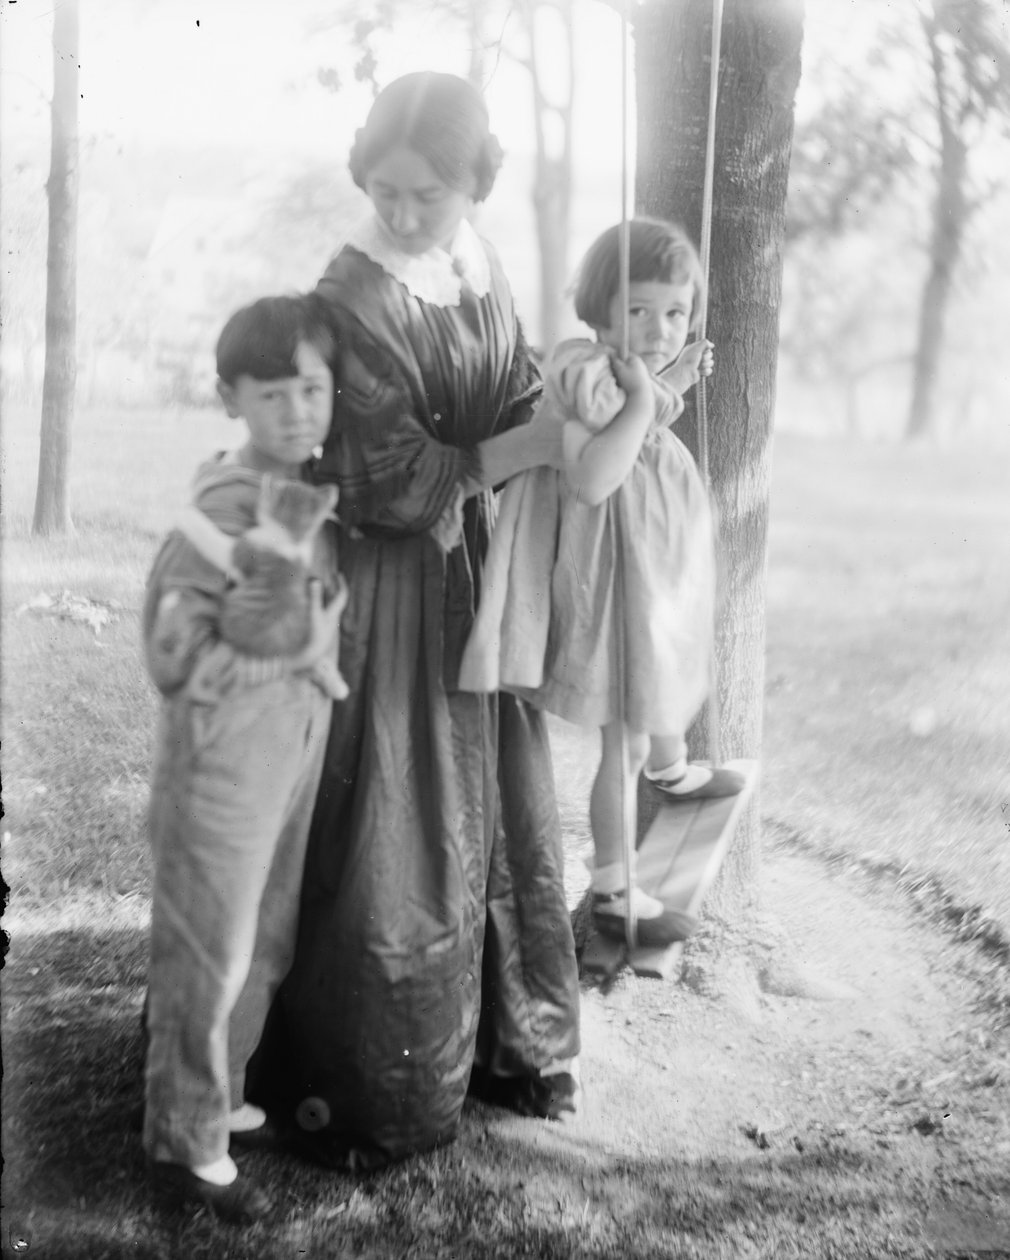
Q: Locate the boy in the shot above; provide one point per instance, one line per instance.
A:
(237, 763)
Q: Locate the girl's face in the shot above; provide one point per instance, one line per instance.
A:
(419, 210)
(659, 317)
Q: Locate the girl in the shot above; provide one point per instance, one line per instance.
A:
(618, 547)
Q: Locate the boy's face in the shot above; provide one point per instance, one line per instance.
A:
(659, 319)
(287, 418)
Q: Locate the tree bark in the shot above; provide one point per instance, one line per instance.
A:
(52, 507)
(758, 76)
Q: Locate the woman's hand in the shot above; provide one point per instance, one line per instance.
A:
(542, 445)
(694, 361)
(515, 451)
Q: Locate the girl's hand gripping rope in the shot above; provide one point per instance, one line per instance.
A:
(695, 361)
(631, 374)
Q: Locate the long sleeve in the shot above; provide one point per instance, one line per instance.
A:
(394, 477)
(419, 387)
(525, 386)
(182, 601)
(180, 616)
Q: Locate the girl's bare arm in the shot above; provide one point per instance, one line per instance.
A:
(597, 466)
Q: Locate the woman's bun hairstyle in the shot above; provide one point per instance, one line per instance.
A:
(439, 116)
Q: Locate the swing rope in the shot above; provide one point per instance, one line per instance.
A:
(627, 827)
(713, 723)
(714, 741)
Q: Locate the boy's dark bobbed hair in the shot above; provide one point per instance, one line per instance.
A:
(439, 116)
(657, 251)
(262, 339)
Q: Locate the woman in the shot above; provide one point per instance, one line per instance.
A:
(435, 949)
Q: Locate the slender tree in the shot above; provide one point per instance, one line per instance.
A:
(901, 126)
(552, 184)
(52, 505)
(758, 76)
(970, 62)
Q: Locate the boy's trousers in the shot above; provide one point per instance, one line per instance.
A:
(233, 790)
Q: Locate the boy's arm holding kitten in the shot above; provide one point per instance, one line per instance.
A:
(265, 610)
(253, 595)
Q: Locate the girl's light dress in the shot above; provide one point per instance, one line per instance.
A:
(565, 581)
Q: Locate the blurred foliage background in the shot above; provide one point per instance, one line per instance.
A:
(213, 168)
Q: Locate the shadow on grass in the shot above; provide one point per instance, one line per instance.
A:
(74, 1177)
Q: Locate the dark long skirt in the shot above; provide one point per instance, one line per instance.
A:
(434, 930)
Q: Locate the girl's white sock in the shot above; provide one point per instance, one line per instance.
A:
(610, 878)
(672, 772)
(645, 907)
(222, 1172)
(555, 1068)
(681, 776)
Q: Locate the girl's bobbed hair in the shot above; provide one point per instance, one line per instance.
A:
(439, 116)
(658, 251)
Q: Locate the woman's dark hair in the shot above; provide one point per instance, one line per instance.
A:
(262, 339)
(439, 116)
(657, 251)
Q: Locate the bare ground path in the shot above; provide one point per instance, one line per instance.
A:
(733, 1125)
(892, 1101)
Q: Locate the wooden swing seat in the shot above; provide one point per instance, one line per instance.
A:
(678, 860)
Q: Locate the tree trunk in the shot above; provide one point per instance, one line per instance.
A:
(550, 198)
(758, 76)
(475, 18)
(52, 509)
(552, 189)
(950, 220)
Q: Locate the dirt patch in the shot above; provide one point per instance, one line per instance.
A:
(900, 1083)
(742, 1125)
(783, 1063)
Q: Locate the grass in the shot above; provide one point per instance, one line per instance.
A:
(886, 733)
(503, 1189)
(887, 722)
(78, 710)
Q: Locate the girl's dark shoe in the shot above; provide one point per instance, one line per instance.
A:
(610, 919)
(240, 1203)
(723, 782)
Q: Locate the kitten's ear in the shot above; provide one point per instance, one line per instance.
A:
(326, 500)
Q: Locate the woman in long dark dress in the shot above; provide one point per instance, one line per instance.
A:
(435, 951)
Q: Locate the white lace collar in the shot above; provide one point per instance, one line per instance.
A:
(437, 275)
